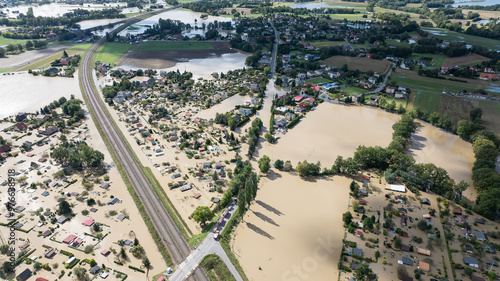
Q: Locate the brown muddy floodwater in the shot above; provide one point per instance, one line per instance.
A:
(445, 150)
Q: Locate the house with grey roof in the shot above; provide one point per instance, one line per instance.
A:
(471, 261)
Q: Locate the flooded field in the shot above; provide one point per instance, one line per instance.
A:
(332, 130)
(200, 67)
(93, 23)
(445, 150)
(297, 238)
(25, 92)
(55, 10)
(315, 5)
(187, 17)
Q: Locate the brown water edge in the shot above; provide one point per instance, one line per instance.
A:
(434, 145)
(169, 58)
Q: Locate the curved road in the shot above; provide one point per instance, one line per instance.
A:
(166, 228)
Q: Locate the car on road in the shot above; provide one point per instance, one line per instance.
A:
(216, 235)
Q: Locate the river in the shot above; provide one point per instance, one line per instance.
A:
(23, 92)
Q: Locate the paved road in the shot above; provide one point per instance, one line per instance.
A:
(208, 246)
(381, 86)
(275, 50)
(166, 228)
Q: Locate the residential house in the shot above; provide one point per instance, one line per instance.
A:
(280, 121)
(289, 116)
(245, 111)
(49, 131)
(390, 90)
(20, 127)
(488, 76)
(42, 117)
(481, 236)
(25, 275)
(407, 261)
(20, 116)
(471, 261)
(357, 252)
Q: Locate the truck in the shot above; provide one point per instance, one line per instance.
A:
(216, 235)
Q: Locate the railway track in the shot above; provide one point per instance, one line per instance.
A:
(166, 228)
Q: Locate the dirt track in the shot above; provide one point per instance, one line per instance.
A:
(169, 58)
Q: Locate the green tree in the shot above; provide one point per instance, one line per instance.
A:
(475, 114)
(123, 254)
(202, 214)
(364, 272)
(29, 45)
(80, 273)
(347, 218)
(460, 187)
(264, 164)
(64, 207)
(147, 264)
(278, 164)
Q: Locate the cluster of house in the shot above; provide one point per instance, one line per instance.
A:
(487, 74)
(400, 92)
(287, 114)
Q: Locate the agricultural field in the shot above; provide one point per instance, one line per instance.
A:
(413, 16)
(452, 36)
(464, 60)
(167, 45)
(415, 82)
(363, 64)
(111, 52)
(486, 15)
(326, 43)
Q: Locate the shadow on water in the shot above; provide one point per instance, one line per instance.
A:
(258, 230)
(417, 143)
(269, 208)
(273, 175)
(265, 218)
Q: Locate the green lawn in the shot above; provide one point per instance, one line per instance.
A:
(326, 43)
(428, 101)
(216, 269)
(112, 51)
(319, 80)
(437, 59)
(349, 17)
(167, 45)
(129, 15)
(402, 102)
(8, 41)
(394, 42)
(354, 90)
(469, 39)
(2, 70)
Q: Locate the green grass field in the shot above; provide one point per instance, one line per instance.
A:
(461, 37)
(7, 41)
(216, 269)
(326, 43)
(428, 101)
(111, 52)
(167, 45)
(353, 90)
(416, 83)
(319, 80)
(437, 59)
(129, 15)
(2, 70)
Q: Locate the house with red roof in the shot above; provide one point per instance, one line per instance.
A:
(298, 98)
(359, 233)
(88, 222)
(488, 76)
(77, 242)
(69, 239)
(309, 100)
